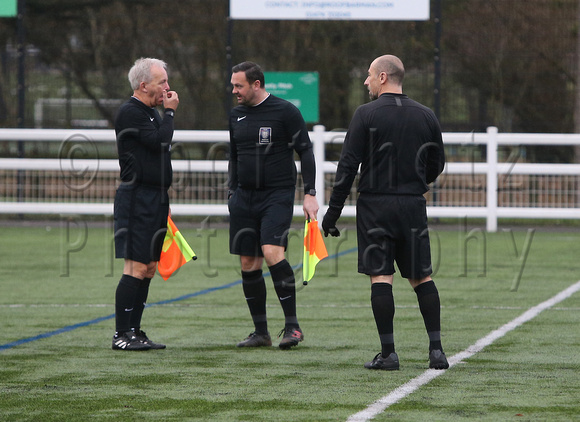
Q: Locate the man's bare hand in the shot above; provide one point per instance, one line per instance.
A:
(310, 207)
(170, 100)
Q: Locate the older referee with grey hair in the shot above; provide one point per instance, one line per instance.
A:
(398, 144)
(141, 201)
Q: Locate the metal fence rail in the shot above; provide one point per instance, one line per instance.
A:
(486, 189)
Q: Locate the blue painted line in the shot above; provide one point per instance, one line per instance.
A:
(162, 302)
(55, 332)
(201, 292)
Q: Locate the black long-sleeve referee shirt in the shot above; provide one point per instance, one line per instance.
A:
(144, 144)
(263, 139)
(398, 144)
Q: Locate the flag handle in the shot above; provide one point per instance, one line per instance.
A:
(305, 283)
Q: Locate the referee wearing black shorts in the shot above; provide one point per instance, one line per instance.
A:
(265, 131)
(398, 144)
(141, 201)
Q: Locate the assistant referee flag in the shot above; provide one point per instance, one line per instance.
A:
(175, 253)
(314, 249)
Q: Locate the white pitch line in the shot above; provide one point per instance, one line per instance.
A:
(404, 390)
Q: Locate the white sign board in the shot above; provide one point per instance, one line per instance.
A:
(376, 10)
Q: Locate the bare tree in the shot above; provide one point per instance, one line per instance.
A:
(516, 56)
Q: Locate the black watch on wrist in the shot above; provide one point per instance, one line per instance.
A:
(311, 192)
(170, 113)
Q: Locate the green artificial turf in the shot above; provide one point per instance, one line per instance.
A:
(56, 275)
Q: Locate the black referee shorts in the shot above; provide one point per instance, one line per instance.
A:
(259, 217)
(140, 215)
(393, 228)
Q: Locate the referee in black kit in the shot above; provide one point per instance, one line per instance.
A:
(398, 142)
(265, 131)
(141, 202)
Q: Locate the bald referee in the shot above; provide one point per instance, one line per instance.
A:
(398, 142)
(141, 201)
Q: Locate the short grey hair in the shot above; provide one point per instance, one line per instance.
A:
(141, 71)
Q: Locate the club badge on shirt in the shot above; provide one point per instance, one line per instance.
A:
(265, 135)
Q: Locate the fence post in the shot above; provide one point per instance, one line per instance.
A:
(320, 157)
(492, 192)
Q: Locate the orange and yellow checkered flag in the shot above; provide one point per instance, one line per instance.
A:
(175, 253)
(314, 249)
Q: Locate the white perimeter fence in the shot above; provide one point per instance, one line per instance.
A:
(487, 188)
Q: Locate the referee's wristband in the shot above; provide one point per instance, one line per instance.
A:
(169, 112)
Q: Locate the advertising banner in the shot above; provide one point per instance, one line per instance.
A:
(300, 88)
(8, 8)
(375, 10)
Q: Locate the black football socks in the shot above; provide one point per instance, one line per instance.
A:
(285, 285)
(125, 296)
(140, 301)
(383, 306)
(254, 288)
(430, 306)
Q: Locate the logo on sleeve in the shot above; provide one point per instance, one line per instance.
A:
(265, 135)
